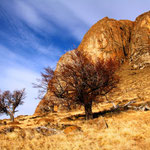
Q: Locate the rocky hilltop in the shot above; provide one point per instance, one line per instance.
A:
(126, 41)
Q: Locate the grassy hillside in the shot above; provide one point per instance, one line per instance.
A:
(109, 130)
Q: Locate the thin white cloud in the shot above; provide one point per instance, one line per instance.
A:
(75, 16)
(29, 39)
(91, 11)
(87, 10)
(8, 57)
(62, 16)
(31, 16)
(27, 13)
(50, 50)
(46, 17)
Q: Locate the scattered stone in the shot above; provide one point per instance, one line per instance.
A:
(3, 123)
(47, 131)
(72, 128)
(6, 130)
(144, 108)
(45, 121)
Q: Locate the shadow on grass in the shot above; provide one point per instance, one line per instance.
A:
(107, 113)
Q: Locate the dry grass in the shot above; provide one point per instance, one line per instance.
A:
(126, 130)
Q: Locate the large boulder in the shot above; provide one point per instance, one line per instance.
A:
(108, 38)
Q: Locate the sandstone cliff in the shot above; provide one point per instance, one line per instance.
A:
(122, 40)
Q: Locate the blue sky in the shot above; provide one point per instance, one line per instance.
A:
(35, 33)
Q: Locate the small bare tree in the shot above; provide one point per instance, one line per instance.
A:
(42, 84)
(80, 82)
(10, 101)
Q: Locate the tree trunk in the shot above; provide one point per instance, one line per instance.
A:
(11, 117)
(88, 110)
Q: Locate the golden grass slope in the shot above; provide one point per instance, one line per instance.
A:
(127, 129)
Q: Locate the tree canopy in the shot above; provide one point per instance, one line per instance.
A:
(10, 101)
(80, 81)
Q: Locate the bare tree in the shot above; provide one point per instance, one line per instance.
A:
(10, 101)
(42, 84)
(80, 81)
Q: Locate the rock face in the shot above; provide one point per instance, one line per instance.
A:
(108, 38)
(140, 41)
(49, 102)
(44, 105)
(66, 58)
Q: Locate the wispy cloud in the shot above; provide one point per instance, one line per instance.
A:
(92, 11)
(29, 15)
(60, 16)
(36, 25)
(9, 58)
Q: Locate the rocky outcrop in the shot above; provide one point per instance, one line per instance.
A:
(64, 59)
(44, 105)
(140, 41)
(108, 38)
(49, 102)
